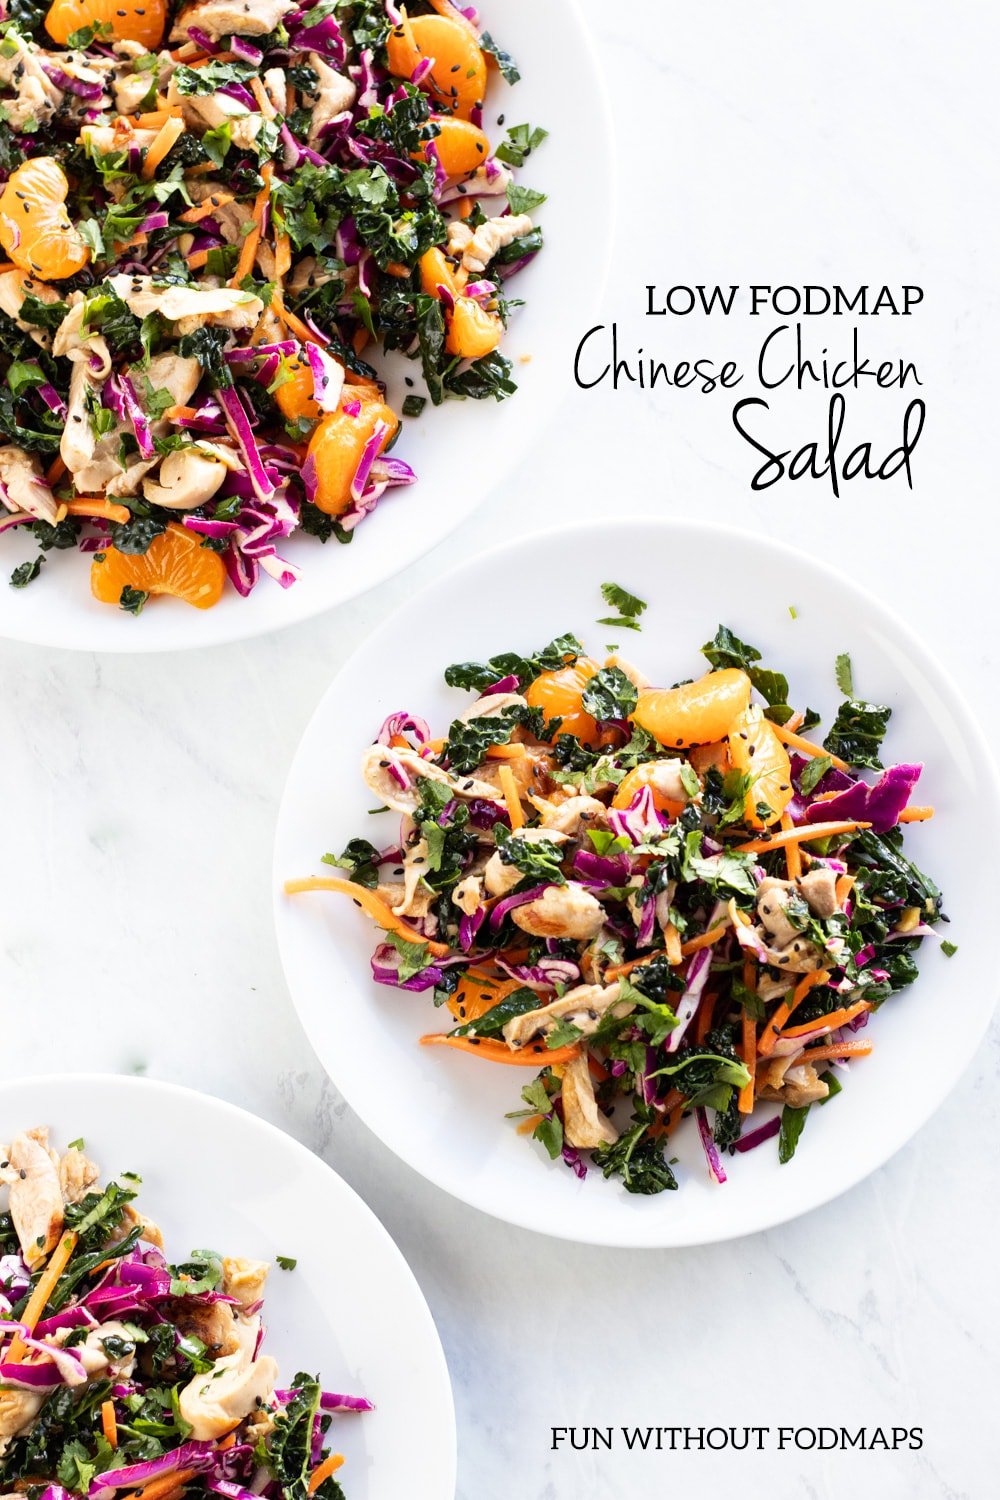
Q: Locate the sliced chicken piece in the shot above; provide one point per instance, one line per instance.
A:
(478, 249)
(15, 286)
(215, 1323)
(78, 443)
(77, 1175)
(492, 706)
(186, 479)
(501, 876)
(585, 1006)
(35, 97)
(36, 1200)
(819, 888)
(468, 895)
(486, 182)
(562, 911)
(213, 1403)
(792, 1081)
(571, 815)
(773, 897)
(130, 89)
(244, 1279)
(410, 899)
(188, 307)
(96, 1358)
(18, 1409)
(393, 776)
(583, 1123)
(23, 486)
(180, 374)
(333, 94)
(82, 345)
(220, 18)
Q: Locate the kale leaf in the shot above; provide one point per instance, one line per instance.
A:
(361, 861)
(538, 861)
(518, 1003)
(478, 676)
(638, 1160)
(858, 731)
(610, 695)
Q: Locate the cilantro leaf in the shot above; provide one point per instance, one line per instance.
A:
(844, 675)
(521, 141)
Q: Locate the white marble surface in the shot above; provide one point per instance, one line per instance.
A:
(762, 142)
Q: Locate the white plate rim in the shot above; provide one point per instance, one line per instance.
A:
(177, 1095)
(676, 528)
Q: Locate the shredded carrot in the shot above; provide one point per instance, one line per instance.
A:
(844, 1049)
(464, 207)
(323, 1471)
(369, 902)
(672, 945)
(205, 209)
(533, 1055)
(805, 834)
(227, 1442)
(179, 413)
(154, 119)
(43, 1291)
(251, 241)
(263, 98)
(394, 268)
(749, 1041)
(675, 1116)
(843, 888)
(916, 814)
(530, 1125)
(793, 854)
(769, 1035)
(282, 255)
(831, 1022)
(302, 331)
(598, 1071)
(506, 752)
(160, 1488)
(359, 340)
(55, 470)
(806, 747)
(109, 1423)
(703, 1023)
(705, 940)
(511, 796)
(106, 509)
(167, 136)
(197, 259)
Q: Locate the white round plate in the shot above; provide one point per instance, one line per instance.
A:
(444, 1112)
(561, 287)
(350, 1311)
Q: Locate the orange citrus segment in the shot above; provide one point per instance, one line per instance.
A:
(339, 441)
(472, 331)
(756, 749)
(559, 695)
(129, 22)
(461, 147)
(176, 563)
(457, 77)
(475, 995)
(695, 713)
(295, 396)
(35, 229)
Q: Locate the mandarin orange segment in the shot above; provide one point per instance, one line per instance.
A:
(337, 445)
(472, 331)
(559, 694)
(457, 78)
(756, 749)
(35, 229)
(436, 270)
(461, 146)
(176, 563)
(696, 713)
(295, 396)
(129, 22)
